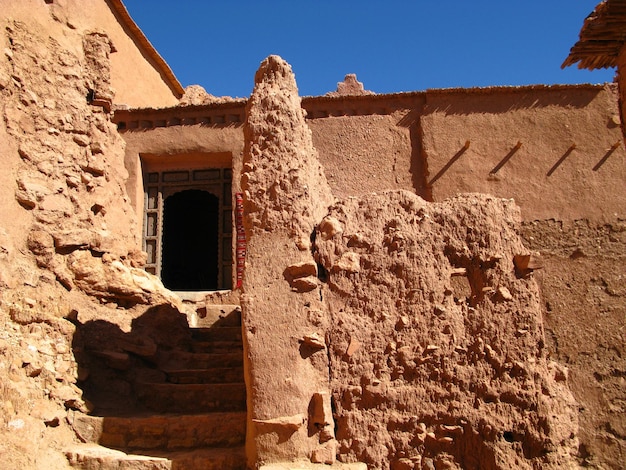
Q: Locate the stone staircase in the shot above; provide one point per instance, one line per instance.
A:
(191, 411)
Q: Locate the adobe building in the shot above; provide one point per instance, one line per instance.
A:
(420, 280)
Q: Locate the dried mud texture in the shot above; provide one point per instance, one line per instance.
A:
(583, 285)
(283, 182)
(195, 95)
(436, 346)
(285, 195)
(67, 251)
(71, 176)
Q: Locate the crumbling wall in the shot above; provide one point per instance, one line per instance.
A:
(71, 175)
(135, 76)
(436, 338)
(67, 238)
(415, 317)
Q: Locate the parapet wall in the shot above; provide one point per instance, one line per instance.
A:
(558, 153)
(556, 150)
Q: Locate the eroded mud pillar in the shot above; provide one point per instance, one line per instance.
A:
(284, 318)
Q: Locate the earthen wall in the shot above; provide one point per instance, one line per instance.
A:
(66, 250)
(135, 78)
(180, 147)
(543, 146)
(558, 153)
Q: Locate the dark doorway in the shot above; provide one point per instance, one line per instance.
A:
(190, 241)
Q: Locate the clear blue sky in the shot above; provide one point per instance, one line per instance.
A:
(391, 45)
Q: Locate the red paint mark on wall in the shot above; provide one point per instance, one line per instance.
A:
(241, 238)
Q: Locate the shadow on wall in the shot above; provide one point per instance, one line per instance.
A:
(115, 366)
(488, 101)
(161, 365)
(419, 165)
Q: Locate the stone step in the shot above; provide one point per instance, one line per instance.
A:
(188, 360)
(209, 315)
(95, 457)
(219, 315)
(192, 398)
(313, 466)
(205, 376)
(166, 432)
(224, 333)
(216, 347)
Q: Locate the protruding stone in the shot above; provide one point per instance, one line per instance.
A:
(314, 340)
(302, 269)
(353, 347)
(403, 322)
(325, 454)
(349, 262)
(321, 414)
(40, 242)
(304, 284)
(29, 192)
(504, 294)
(292, 423)
(329, 227)
(439, 309)
(81, 139)
(526, 264)
(302, 277)
(75, 239)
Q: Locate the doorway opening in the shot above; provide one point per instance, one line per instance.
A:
(188, 228)
(190, 241)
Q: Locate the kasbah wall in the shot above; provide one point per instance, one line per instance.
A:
(432, 279)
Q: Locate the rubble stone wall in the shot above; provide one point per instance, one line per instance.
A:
(437, 346)
(69, 253)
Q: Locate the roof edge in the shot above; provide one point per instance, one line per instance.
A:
(165, 70)
(241, 102)
(601, 38)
